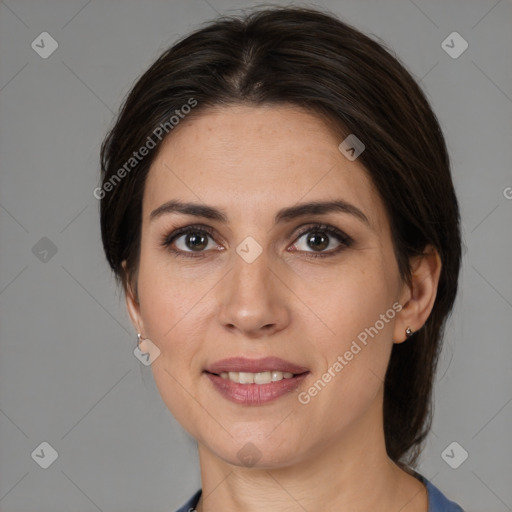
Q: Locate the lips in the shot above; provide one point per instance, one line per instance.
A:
(246, 381)
(266, 364)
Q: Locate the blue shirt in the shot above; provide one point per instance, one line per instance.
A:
(437, 501)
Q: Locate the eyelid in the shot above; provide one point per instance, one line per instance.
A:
(169, 238)
(344, 239)
(328, 228)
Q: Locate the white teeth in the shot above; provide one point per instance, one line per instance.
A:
(276, 376)
(256, 378)
(262, 378)
(245, 378)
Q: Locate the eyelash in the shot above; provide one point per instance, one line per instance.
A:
(341, 237)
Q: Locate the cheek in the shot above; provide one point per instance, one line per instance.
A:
(355, 351)
(168, 309)
(176, 308)
(354, 364)
(167, 312)
(169, 293)
(348, 299)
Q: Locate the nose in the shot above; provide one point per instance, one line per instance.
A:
(253, 299)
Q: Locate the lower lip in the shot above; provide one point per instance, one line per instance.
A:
(254, 394)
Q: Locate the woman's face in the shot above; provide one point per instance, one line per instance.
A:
(245, 283)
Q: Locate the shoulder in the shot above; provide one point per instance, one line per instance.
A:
(190, 506)
(437, 501)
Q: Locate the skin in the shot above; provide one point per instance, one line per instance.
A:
(328, 454)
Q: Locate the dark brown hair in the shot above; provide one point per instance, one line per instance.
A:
(310, 59)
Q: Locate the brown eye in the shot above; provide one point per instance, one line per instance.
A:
(319, 238)
(188, 240)
(318, 241)
(195, 242)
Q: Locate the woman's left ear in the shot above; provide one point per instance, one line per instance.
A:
(417, 299)
(132, 302)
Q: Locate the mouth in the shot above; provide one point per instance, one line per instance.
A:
(265, 377)
(255, 366)
(255, 381)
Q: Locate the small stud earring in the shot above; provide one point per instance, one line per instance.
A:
(408, 332)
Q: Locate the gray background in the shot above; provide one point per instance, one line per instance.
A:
(68, 374)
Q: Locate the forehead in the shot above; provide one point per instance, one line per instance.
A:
(252, 161)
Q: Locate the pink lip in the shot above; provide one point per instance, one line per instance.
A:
(254, 394)
(243, 364)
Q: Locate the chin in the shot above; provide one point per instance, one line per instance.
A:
(258, 452)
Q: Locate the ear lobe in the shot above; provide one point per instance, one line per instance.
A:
(132, 302)
(419, 297)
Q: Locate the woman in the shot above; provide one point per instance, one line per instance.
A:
(278, 206)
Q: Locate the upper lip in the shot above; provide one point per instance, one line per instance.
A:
(243, 364)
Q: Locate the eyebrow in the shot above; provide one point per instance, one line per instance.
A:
(284, 215)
